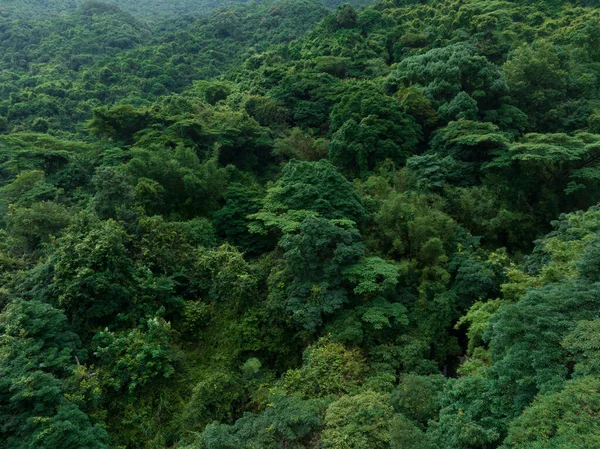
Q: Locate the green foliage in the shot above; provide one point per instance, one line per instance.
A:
(467, 419)
(94, 278)
(372, 276)
(113, 193)
(316, 187)
(309, 95)
(315, 256)
(328, 369)
(136, 359)
(526, 340)
(562, 167)
(36, 225)
(118, 123)
(358, 422)
(212, 399)
(470, 144)
(565, 419)
(368, 128)
(564, 253)
(432, 172)
(551, 83)
(174, 182)
(462, 83)
(288, 423)
(265, 110)
(404, 434)
(225, 276)
(477, 320)
(273, 225)
(301, 146)
(582, 344)
(418, 397)
(231, 221)
(148, 10)
(37, 353)
(408, 221)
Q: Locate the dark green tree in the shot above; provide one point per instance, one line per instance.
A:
(369, 127)
(37, 353)
(315, 257)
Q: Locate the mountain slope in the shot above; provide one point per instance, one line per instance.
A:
(279, 226)
(154, 10)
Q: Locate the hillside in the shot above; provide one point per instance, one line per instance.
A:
(278, 225)
(145, 10)
(62, 68)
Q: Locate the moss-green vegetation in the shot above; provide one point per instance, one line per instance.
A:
(291, 225)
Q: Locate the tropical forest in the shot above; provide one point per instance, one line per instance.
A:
(299, 224)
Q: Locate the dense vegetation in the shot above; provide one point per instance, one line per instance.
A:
(281, 226)
(148, 10)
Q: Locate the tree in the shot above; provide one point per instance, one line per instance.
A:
(265, 110)
(359, 422)
(119, 123)
(462, 107)
(315, 256)
(558, 162)
(462, 83)
(309, 95)
(216, 397)
(231, 221)
(526, 338)
(137, 359)
(418, 398)
(301, 146)
(466, 418)
(561, 420)
(431, 172)
(306, 189)
(346, 17)
(37, 353)
(289, 423)
(174, 182)
(94, 276)
(405, 434)
(582, 344)
(113, 192)
(525, 341)
(379, 315)
(328, 369)
(369, 127)
(36, 225)
(541, 80)
(407, 221)
(471, 144)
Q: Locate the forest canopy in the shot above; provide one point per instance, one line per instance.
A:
(295, 224)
